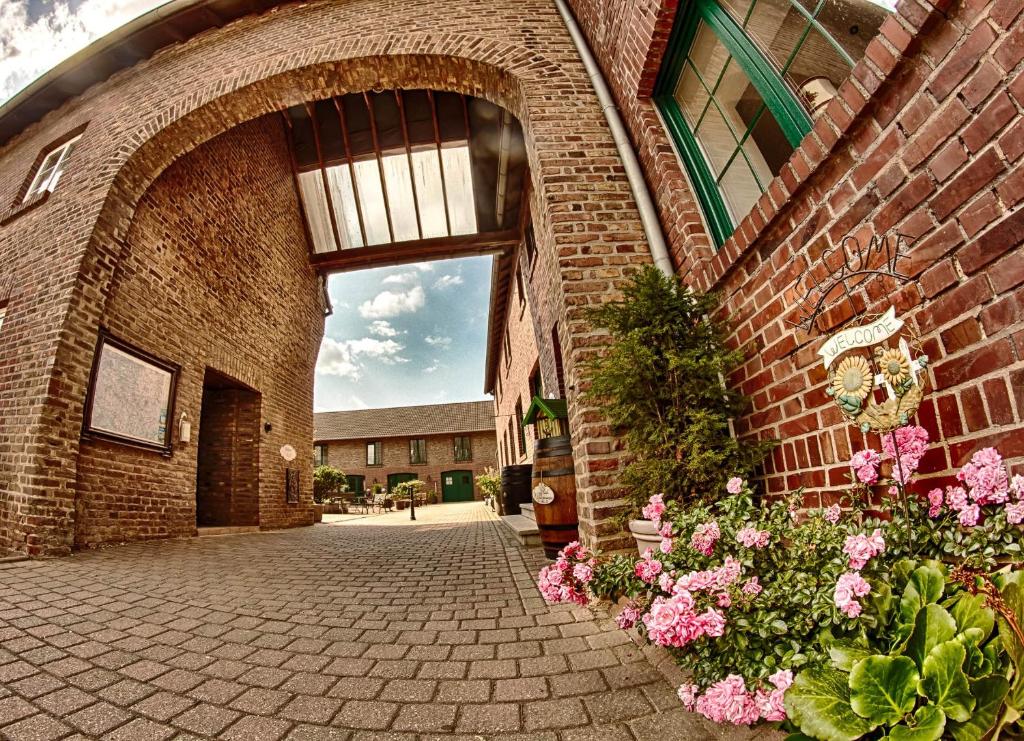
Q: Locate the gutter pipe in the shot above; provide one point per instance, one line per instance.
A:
(634, 173)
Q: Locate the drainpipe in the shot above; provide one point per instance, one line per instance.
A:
(634, 174)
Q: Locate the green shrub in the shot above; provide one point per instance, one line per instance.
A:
(327, 481)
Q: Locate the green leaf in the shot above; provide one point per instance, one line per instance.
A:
(845, 654)
(989, 693)
(944, 682)
(1013, 595)
(924, 587)
(819, 704)
(928, 724)
(883, 688)
(970, 612)
(932, 626)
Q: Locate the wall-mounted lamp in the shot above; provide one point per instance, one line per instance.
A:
(184, 429)
(267, 427)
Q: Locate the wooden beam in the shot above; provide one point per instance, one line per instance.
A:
(408, 154)
(340, 107)
(380, 163)
(311, 110)
(419, 250)
(440, 159)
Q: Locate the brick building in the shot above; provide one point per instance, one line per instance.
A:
(859, 122)
(443, 445)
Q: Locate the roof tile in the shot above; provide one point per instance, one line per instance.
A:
(429, 419)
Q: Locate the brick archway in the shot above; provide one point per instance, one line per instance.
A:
(569, 168)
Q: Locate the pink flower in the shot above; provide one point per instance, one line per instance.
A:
(849, 587)
(753, 538)
(583, 572)
(665, 546)
(752, 587)
(688, 695)
(862, 548)
(865, 465)
(734, 485)
(770, 705)
(627, 617)
(969, 515)
(1017, 486)
(655, 509)
(565, 580)
(647, 569)
(986, 478)
(782, 679)
(956, 498)
(832, 514)
(935, 500)
(728, 701)
(910, 446)
(1015, 513)
(666, 581)
(705, 537)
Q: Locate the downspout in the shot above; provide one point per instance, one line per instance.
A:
(634, 174)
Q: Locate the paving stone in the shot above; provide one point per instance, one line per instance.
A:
(239, 637)
(255, 728)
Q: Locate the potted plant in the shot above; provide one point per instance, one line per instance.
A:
(660, 383)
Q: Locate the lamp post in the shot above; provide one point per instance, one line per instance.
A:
(412, 504)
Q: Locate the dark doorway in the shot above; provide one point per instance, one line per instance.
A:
(227, 477)
(457, 486)
(394, 479)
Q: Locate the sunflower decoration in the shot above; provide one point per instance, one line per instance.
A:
(851, 383)
(895, 368)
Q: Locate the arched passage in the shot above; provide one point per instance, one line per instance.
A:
(582, 250)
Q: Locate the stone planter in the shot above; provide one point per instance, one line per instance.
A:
(645, 534)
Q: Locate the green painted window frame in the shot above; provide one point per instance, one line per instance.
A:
(779, 98)
(320, 454)
(417, 450)
(463, 448)
(378, 457)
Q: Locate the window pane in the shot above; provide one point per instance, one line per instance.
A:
(343, 198)
(371, 198)
(739, 188)
(459, 184)
(311, 187)
(427, 172)
(400, 197)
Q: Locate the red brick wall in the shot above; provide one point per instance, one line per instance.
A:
(67, 250)
(183, 294)
(350, 457)
(924, 139)
(512, 381)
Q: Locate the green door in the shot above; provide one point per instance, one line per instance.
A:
(394, 479)
(356, 484)
(457, 486)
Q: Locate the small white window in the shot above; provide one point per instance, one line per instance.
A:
(51, 169)
(3, 313)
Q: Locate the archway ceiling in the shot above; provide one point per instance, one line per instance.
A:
(405, 175)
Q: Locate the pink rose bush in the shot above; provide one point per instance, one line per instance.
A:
(655, 509)
(704, 538)
(909, 447)
(729, 700)
(865, 466)
(567, 578)
(751, 537)
(850, 586)
(862, 548)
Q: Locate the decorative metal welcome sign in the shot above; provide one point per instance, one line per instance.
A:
(848, 263)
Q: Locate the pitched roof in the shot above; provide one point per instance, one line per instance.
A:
(429, 419)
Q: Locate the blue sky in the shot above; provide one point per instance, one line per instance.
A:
(412, 334)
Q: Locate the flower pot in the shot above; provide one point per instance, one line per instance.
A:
(645, 534)
(318, 513)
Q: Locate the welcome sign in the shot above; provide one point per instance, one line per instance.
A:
(871, 334)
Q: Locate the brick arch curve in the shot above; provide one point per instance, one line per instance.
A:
(533, 88)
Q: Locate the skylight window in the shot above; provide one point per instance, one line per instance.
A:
(435, 199)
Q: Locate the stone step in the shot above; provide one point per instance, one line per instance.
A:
(523, 528)
(227, 530)
(527, 511)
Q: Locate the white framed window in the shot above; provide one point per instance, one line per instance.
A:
(3, 314)
(52, 167)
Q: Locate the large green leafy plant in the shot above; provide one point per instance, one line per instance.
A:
(660, 384)
(929, 667)
(327, 481)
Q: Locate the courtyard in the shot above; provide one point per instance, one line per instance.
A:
(373, 627)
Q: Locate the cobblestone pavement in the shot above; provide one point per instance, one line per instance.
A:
(370, 628)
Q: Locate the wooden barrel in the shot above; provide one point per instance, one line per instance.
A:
(515, 488)
(554, 494)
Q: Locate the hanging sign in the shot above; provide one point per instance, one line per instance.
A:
(871, 334)
(543, 494)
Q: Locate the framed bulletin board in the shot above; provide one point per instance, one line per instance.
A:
(131, 396)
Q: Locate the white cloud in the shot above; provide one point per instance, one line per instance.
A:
(423, 267)
(382, 328)
(356, 403)
(402, 278)
(442, 342)
(345, 358)
(390, 303)
(447, 281)
(29, 46)
(433, 367)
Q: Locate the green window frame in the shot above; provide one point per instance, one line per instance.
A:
(777, 94)
(373, 454)
(463, 448)
(320, 454)
(418, 450)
